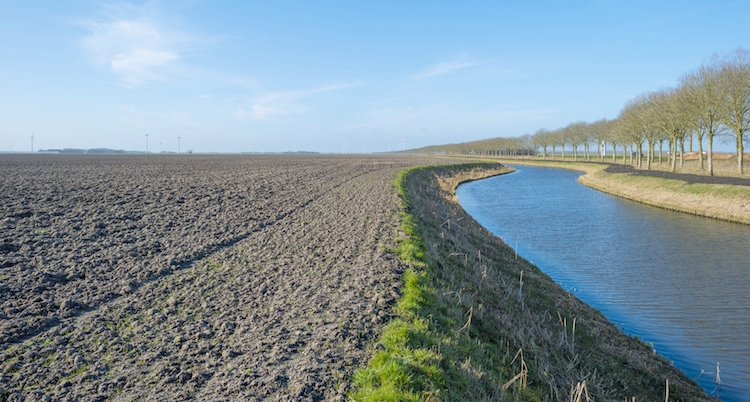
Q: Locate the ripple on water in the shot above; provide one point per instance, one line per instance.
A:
(678, 281)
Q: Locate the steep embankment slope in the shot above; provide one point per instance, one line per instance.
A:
(476, 323)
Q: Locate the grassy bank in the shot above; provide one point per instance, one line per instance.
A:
(476, 323)
(720, 201)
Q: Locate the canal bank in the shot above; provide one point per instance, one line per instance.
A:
(676, 281)
(725, 198)
(476, 322)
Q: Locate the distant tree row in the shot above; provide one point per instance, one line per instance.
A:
(712, 101)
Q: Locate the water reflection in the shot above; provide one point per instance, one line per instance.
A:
(679, 281)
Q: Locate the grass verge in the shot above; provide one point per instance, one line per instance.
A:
(475, 323)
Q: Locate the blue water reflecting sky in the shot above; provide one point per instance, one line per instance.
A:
(678, 281)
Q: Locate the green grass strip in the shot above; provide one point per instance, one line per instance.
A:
(423, 356)
(404, 370)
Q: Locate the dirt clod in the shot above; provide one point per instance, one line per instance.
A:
(193, 277)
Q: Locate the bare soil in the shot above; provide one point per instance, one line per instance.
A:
(193, 277)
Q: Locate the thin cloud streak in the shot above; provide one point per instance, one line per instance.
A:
(280, 103)
(444, 68)
(304, 92)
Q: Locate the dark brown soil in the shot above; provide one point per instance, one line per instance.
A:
(193, 277)
(687, 178)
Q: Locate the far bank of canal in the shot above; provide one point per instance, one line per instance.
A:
(678, 281)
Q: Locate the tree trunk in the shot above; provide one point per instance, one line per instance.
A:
(710, 143)
(673, 154)
(639, 151)
(740, 154)
(682, 152)
(629, 153)
(700, 150)
(661, 149)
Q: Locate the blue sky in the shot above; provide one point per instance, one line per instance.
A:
(333, 76)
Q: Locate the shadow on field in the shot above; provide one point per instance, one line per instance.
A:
(688, 178)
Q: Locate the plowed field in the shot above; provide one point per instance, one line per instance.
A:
(206, 277)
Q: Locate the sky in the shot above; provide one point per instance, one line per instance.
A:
(336, 76)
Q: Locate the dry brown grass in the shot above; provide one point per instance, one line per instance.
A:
(724, 165)
(515, 347)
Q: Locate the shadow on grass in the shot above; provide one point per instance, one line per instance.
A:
(688, 178)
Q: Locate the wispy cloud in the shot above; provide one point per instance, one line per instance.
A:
(295, 94)
(445, 67)
(279, 103)
(135, 43)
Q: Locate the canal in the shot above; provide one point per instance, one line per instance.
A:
(677, 281)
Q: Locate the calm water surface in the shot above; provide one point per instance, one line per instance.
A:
(678, 281)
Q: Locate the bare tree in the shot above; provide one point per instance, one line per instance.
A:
(541, 138)
(560, 139)
(648, 110)
(587, 137)
(735, 86)
(572, 134)
(633, 126)
(617, 135)
(705, 102)
(525, 144)
(674, 118)
(661, 148)
(599, 131)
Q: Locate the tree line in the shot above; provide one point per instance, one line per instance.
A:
(711, 101)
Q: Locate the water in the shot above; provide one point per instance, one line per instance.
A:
(675, 280)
